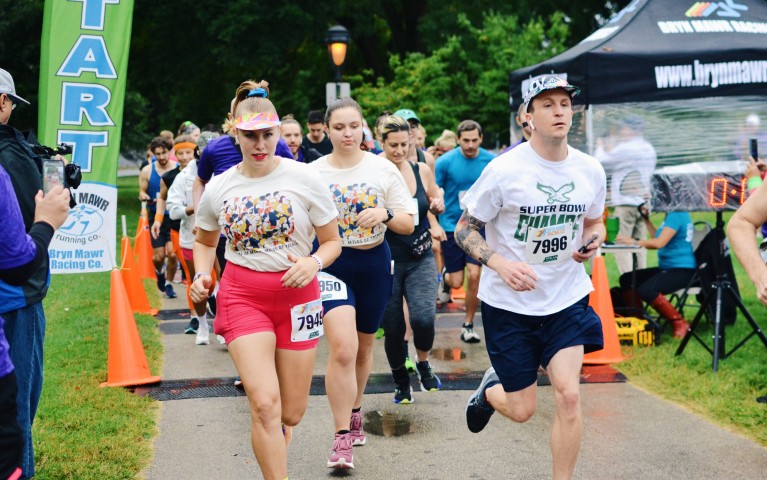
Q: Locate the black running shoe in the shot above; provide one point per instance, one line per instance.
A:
(403, 395)
(160, 280)
(429, 381)
(478, 411)
(194, 324)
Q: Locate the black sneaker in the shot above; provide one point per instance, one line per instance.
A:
(403, 395)
(160, 280)
(478, 411)
(194, 324)
(429, 381)
(212, 306)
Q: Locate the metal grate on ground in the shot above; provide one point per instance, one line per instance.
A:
(377, 383)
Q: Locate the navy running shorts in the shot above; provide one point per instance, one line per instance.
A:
(517, 344)
(367, 275)
(455, 258)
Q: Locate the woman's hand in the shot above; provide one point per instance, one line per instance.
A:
(436, 205)
(199, 291)
(370, 217)
(303, 271)
(438, 233)
(624, 240)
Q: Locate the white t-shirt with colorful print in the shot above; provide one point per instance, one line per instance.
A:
(534, 211)
(266, 218)
(373, 183)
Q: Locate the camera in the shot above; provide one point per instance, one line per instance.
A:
(55, 172)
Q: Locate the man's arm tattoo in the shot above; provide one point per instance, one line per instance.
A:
(467, 237)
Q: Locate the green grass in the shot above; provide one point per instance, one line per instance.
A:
(86, 432)
(727, 397)
(83, 431)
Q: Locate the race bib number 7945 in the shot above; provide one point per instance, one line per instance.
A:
(307, 321)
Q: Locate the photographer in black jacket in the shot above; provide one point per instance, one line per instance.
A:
(21, 306)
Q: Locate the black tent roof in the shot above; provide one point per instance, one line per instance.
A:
(664, 50)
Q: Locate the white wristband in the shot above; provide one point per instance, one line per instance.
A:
(318, 260)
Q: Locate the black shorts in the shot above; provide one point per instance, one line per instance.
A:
(10, 433)
(455, 258)
(517, 344)
(164, 237)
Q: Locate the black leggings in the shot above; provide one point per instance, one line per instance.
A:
(653, 281)
(10, 433)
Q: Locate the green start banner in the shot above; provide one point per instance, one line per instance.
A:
(83, 70)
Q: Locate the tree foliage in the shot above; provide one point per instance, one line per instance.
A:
(466, 77)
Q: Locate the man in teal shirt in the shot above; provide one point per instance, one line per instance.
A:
(456, 171)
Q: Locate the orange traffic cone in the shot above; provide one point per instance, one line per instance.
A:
(144, 246)
(126, 364)
(132, 280)
(601, 302)
(458, 293)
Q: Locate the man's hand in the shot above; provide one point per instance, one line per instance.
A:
(518, 275)
(155, 230)
(52, 208)
(438, 233)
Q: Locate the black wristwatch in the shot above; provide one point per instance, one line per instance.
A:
(389, 215)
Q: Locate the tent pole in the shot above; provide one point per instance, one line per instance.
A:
(589, 129)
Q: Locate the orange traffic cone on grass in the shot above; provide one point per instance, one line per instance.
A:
(126, 363)
(132, 280)
(144, 246)
(602, 303)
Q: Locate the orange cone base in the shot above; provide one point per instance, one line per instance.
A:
(602, 304)
(458, 293)
(143, 381)
(126, 362)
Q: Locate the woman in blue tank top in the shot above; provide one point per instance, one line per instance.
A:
(676, 266)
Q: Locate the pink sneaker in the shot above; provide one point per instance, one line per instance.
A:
(356, 430)
(341, 456)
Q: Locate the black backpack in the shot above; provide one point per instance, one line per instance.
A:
(709, 252)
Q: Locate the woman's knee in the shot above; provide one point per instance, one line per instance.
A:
(264, 407)
(343, 353)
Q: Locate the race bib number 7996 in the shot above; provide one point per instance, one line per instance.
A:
(549, 244)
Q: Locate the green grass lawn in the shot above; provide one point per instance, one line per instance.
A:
(727, 397)
(86, 432)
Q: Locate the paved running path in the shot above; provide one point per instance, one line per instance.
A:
(628, 434)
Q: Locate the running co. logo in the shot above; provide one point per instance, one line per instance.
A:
(727, 8)
(557, 194)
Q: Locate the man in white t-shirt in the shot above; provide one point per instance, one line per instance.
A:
(629, 165)
(539, 204)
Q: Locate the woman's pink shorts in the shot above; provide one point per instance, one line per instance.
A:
(187, 253)
(253, 302)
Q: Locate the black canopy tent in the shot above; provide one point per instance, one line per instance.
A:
(656, 50)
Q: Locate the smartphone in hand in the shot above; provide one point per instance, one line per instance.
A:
(585, 247)
(53, 174)
(754, 150)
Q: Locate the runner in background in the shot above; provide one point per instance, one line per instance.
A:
(372, 197)
(414, 268)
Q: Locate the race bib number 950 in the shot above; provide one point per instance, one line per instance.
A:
(549, 244)
(331, 288)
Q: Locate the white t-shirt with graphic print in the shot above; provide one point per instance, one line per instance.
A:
(534, 211)
(373, 183)
(266, 218)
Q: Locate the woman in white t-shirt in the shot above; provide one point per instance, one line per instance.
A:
(269, 307)
(371, 196)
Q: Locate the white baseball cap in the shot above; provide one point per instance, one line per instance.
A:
(7, 87)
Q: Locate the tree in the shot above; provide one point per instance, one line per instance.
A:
(466, 77)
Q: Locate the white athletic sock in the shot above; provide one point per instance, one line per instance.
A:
(203, 321)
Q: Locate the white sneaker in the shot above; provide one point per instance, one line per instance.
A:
(221, 340)
(443, 297)
(468, 334)
(203, 336)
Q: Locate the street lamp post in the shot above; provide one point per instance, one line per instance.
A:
(337, 38)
